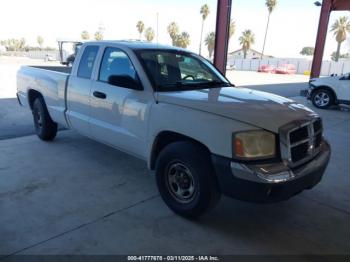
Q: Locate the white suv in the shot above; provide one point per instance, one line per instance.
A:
(327, 91)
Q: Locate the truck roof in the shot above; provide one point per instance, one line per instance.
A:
(136, 44)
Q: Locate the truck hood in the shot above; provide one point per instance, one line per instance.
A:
(260, 109)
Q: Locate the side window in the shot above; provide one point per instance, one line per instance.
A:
(87, 61)
(115, 62)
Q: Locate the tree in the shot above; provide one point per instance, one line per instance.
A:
(21, 43)
(204, 12)
(210, 43)
(173, 30)
(14, 44)
(341, 28)
(149, 34)
(232, 29)
(182, 40)
(307, 50)
(334, 56)
(85, 35)
(40, 41)
(246, 41)
(98, 35)
(270, 4)
(140, 28)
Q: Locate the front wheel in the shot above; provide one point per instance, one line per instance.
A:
(45, 128)
(186, 180)
(322, 98)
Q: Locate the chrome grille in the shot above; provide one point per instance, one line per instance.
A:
(300, 141)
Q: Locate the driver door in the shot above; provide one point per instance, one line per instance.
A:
(118, 113)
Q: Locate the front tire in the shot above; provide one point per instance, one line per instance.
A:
(45, 128)
(322, 98)
(186, 179)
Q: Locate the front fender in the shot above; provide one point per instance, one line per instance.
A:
(213, 131)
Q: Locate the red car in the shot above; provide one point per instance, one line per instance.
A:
(266, 69)
(286, 69)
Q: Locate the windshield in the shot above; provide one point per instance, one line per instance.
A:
(171, 70)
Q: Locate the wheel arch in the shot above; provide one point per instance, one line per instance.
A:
(165, 138)
(327, 88)
(32, 95)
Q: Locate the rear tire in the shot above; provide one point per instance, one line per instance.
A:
(45, 128)
(322, 98)
(186, 179)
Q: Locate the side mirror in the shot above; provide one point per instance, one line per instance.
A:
(125, 81)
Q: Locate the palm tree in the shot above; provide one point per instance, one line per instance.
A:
(340, 28)
(140, 27)
(85, 35)
(149, 34)
(232, 29)
(182, 40)
(98, 35)
(40, 41)
(210, 42)
(270, 4)
(246, 40)
(204, 12)
(173, 30)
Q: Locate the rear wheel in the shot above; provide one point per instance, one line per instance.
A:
(322, 98)
(186, 180)
(45, 128)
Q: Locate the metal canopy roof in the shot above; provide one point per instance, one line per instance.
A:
(327, 7)
(223, 22)
(341, 5)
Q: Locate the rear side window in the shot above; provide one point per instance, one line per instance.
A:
(87, 61)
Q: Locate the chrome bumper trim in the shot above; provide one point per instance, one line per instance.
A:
(281, 172)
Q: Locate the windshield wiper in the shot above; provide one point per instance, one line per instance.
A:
(214, 83)
(179, 85)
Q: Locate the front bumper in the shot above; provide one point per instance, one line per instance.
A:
(273, 182)
(307, 92)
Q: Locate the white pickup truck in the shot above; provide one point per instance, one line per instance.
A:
(172, 108)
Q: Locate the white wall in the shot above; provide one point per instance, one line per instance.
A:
(301, 65)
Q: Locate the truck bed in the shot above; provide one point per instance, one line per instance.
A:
(50, 82)
(61, 69)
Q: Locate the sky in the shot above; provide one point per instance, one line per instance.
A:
(293, 23)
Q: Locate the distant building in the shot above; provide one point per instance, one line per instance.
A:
(251, 54)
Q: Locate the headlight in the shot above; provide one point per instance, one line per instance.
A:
(254, 145)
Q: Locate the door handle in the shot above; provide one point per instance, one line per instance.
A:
(99, 95)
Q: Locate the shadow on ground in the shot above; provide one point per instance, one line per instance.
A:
(76, 196)
(15, 121)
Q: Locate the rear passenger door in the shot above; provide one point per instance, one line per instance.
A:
(118, 114)
(78, 91)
